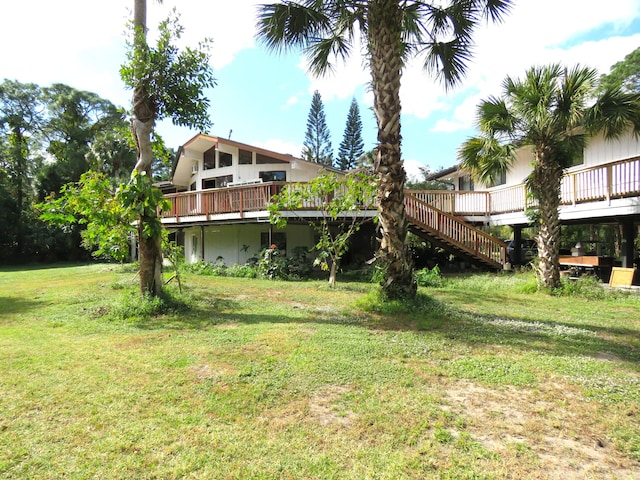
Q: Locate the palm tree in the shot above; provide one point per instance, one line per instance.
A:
(392, 31)
(552, 111)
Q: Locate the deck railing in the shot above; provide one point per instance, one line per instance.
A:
(238, 200)
(603, 182)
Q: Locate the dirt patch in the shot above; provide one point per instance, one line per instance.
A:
(549, 426)
(324, 407)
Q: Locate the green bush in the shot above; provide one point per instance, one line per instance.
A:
(429, 277)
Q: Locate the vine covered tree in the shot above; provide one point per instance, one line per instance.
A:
(552, 110)
(352, 145)
(166, 83)
(392, 32)
(317, 140)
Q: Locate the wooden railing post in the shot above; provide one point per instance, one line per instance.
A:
(609, 174)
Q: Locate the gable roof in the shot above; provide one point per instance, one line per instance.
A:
(201, 143)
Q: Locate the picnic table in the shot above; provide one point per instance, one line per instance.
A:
(580, 264)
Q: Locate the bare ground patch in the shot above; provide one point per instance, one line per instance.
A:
(550, 428)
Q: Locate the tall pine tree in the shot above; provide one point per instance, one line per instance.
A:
(352, 146)
(317, 141)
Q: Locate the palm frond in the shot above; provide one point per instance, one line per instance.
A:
(289, 24)
(613, 113)
(486, 158)
(496, 10)
(448, 60)
(494, 117)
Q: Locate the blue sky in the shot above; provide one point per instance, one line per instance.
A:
(264, 98)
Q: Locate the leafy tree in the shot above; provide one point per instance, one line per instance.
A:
(113, 153)
(317, 141)
(392, 32)
(624, 74)
(21, 118)
(166, 83)
(343, 201)
(352, 145)
(93, 202)
(552, 111)
(108, 213)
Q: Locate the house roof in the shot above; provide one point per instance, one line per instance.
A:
(201, 143)
(445, 173)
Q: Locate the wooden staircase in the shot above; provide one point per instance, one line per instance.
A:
(454, 235)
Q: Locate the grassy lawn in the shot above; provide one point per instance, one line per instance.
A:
(243, 378)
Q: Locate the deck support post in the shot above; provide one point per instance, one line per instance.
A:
(202, 243)
(627, 248)
(517, 243)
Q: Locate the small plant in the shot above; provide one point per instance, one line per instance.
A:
(586, 286)
(272, 264)
(429, 277)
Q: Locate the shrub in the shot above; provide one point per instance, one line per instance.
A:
(429, 277)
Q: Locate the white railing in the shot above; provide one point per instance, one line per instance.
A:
(613, 180)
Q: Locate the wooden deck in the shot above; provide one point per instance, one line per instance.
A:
(441, 216)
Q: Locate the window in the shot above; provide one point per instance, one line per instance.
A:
(278, 176)
(210, 159)
(217, 182)
(577, 160)
(466, 183)
(224, 159)
(245, 157)
(194, 246)
(262, 159)
(500, 179)
(277, 238)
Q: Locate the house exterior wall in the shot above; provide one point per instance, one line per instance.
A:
(598, 151)
(236, 243)
(192, 166)
(601, 151)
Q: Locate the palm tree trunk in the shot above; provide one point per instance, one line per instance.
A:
(142, 123)
(385, 49)
(547, 177)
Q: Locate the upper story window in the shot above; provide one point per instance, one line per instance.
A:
(499, 179)
(224, 159)
(245, 157)
(210, 158)
(466, 183)
(262, 159)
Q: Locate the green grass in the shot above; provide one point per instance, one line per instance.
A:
(479, 378)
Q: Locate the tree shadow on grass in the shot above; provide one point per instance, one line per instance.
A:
(15, 306)
(428, 316)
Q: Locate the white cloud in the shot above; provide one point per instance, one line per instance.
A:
(412, 168)
(231, 25)
(291, 101)
(281, 146)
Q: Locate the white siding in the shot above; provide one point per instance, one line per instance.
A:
(601, 151)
